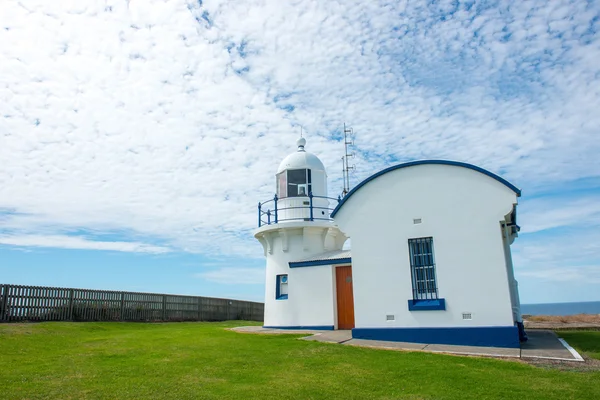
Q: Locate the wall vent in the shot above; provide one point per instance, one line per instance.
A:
(416, 221)
(467, 316)
(390, 317)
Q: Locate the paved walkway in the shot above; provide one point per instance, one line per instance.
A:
(546, 344)
(541, 344)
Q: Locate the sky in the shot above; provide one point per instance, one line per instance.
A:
(137, 137)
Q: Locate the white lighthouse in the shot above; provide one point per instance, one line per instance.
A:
(296, 225)
(432, 265)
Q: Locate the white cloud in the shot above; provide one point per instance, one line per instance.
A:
(79, 243)
(542, 214)
(565, 254)
(582, 274)
(168, 120)
(234, 276)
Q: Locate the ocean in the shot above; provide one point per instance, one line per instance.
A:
(588, 307)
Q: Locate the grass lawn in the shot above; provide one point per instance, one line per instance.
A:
(586, 343)
(203, 361)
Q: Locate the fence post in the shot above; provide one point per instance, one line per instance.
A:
(228, 310)
(71, 296)
(4, 303)
(199, 309)
(259, 215)
(310, 197)
(164, 307)
(122, 305)
(275, 200)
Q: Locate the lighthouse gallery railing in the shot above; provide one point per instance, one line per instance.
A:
(269, 211)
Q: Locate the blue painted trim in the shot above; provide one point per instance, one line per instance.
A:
(314, 328)
(493, 336)
(426, 305)
(278, 295)
(315, 263)
(426, 162)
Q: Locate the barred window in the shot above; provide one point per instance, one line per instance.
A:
(422, 268)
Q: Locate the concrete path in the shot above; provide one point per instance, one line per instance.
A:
(438, 348)
(546, 344)
(541, 344)
(330, 336)
(260, 329)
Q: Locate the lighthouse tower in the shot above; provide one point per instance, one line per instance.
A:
(295, 227)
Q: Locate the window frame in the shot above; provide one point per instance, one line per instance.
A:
(290, 188)
(423, 274)
(281, 184)
(278, 283)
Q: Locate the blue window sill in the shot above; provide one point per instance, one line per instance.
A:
(426, 305)
(282, 297)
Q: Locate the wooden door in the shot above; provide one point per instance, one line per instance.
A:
(345, 298)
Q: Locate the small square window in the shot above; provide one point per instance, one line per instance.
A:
(281, 290)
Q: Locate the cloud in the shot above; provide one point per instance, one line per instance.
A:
(79, 243)
(234, 276)
(567, 254)
(548, 213)
(167, 120)
(584, 274)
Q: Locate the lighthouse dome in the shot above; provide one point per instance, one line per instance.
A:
(301, 159)
(300, 174)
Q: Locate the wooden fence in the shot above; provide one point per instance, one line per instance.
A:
(36, 303)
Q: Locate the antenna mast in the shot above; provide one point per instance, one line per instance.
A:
(348, 133)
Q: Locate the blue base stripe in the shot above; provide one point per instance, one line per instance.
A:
(494, 336)
(314, 328)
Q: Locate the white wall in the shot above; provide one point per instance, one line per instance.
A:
(311, 293)
(298, 208)
(507, 238)
(461, 209)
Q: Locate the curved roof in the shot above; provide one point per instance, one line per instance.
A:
(301, 159)
(425, 162)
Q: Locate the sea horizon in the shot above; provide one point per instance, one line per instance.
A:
(566, 308)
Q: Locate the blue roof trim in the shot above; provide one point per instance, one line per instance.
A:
(426, 162)
(316, 263)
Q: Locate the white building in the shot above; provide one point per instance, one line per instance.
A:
(430, 260)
